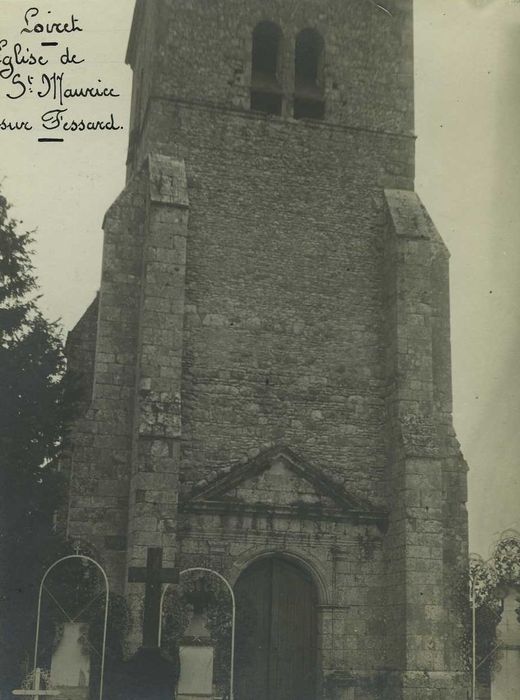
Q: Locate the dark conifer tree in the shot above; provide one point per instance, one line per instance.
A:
(35, 408)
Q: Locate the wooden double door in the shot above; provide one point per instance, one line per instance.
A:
(276, 646)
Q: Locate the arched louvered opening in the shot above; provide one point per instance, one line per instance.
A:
(308, 94)
(266, 93)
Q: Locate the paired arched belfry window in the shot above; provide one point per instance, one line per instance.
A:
(266, 92)
(308, 69)
(266, 87)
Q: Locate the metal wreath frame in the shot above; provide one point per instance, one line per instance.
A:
(473, 637)
(44, 577)
(473, 604)
(233, 613)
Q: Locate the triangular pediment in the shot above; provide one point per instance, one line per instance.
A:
(277, 480)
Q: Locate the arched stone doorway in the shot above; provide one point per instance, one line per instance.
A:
(276, 642)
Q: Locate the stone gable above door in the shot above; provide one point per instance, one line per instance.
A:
(278, 481)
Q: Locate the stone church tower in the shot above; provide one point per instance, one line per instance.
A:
(268, 360)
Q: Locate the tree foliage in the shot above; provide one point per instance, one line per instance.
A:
(35, 407)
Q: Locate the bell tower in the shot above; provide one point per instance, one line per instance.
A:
(269, 359)
(349, 65)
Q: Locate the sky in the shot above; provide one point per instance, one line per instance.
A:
(467, 65)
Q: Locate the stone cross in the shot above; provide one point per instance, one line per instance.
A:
(35, 692)
(153, 575)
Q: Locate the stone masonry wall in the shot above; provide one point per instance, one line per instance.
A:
(283, 280)
(101, 458)
(283, 289)
(81, 351)
(455, 493)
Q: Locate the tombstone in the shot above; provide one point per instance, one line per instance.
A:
(73, 593)
(199, 630)
(196, 652)
(505, 684)
(70, 665)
